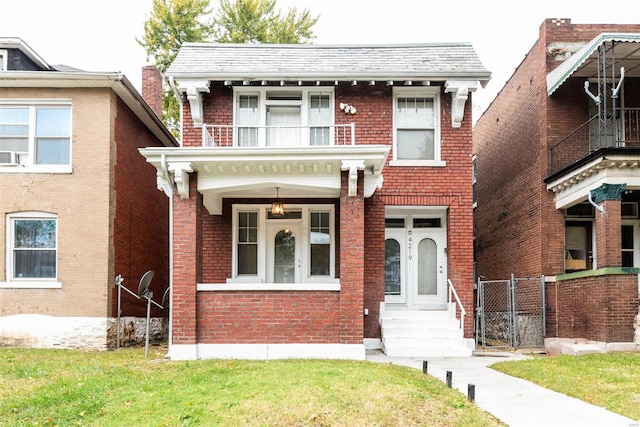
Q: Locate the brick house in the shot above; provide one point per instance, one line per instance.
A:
(287, 241)
(78, 203)
(558, 179)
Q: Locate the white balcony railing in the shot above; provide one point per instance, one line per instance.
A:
(277, 136)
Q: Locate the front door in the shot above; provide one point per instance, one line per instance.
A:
(415, 267)
(284, 254)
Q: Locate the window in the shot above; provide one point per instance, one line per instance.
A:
(283, 117)
(628, 234)
(320, 243)
(32, 246)
(416, 130)
(37, 135)
(247, 243)
(298, 247)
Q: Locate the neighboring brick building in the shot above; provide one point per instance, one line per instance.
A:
(79, 203)
(287, 242)
(557, 179)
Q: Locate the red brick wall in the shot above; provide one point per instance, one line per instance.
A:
(608, 235)
(374, 279)
(518, 229)
(268, 317)
(141, 217)
(600, 308)
(187, 263)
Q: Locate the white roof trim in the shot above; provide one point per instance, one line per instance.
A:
(559, 75)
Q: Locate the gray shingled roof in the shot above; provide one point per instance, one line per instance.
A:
(433, 61)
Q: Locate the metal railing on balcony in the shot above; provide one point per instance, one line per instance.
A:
(277, 136)
(618, 130)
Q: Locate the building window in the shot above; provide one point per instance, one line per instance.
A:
(247, 243)
(416, 130)
(628, 234)
(298, 246)
(32, 246)
(35, 135)
(289, 117)
(320, 244)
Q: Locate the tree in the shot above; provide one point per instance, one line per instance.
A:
(172, 23)
(258, 21)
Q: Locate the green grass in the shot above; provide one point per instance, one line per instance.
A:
(610, 380)
(116, 388)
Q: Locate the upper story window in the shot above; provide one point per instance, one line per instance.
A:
(416, 127)
(32, 248)
(283, 117)
(35, 136)
(3, 59)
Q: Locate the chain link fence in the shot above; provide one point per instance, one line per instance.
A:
(510, 313)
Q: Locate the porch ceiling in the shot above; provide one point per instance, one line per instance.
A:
(574, 187)
(584, 62)
(244, 172)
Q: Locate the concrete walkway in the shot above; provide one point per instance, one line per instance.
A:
(516, 402)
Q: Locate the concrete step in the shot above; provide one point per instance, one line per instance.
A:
(420, 323)
(415, 315)
(416, 352)
(417, 332)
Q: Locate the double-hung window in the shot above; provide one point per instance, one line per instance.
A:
(36, 136)
(32, 247)
(416, 139)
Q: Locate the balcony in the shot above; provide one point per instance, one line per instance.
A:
(620, 130)
(277, 136)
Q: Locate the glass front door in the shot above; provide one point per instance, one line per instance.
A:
(284, 252)
(415, 267)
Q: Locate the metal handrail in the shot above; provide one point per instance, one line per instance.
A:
(274, 136)
(463, 312)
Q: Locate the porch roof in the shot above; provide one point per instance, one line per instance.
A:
(584, 63)
(300, 62)
(247, 172)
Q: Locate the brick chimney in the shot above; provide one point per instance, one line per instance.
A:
(152, 88)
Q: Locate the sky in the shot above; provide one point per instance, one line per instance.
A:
(101, 35)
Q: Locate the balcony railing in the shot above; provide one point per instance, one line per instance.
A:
(277, 136)
(618, 130)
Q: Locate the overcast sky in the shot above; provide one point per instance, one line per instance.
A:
(100, 35)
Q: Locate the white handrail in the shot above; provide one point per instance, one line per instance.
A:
(452, 290)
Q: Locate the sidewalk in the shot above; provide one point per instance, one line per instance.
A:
(516, 402)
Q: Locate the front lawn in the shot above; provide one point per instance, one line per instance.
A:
(116, 388)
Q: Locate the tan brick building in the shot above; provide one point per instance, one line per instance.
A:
(322, 200)
(78, 202)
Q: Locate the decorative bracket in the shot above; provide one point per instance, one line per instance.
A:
(194, 90)
(181, 172)
(607, 192)
(459, 90)
(353, 166)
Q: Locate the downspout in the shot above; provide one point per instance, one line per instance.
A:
(167, 176)
(597, 206)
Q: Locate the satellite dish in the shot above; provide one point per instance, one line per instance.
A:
(165, 298)
(143, 287)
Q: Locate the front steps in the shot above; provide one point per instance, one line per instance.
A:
(419, 334)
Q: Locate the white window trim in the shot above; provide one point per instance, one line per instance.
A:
(4, 61)
(429, 92)
(263, 103)
(34, 103)
(28, 283)
(259, 280)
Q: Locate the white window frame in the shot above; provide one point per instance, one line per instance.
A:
(30, 282)
(4, 60)
(33, 105)
(429, 92)
(260, 278)
(303, 103)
